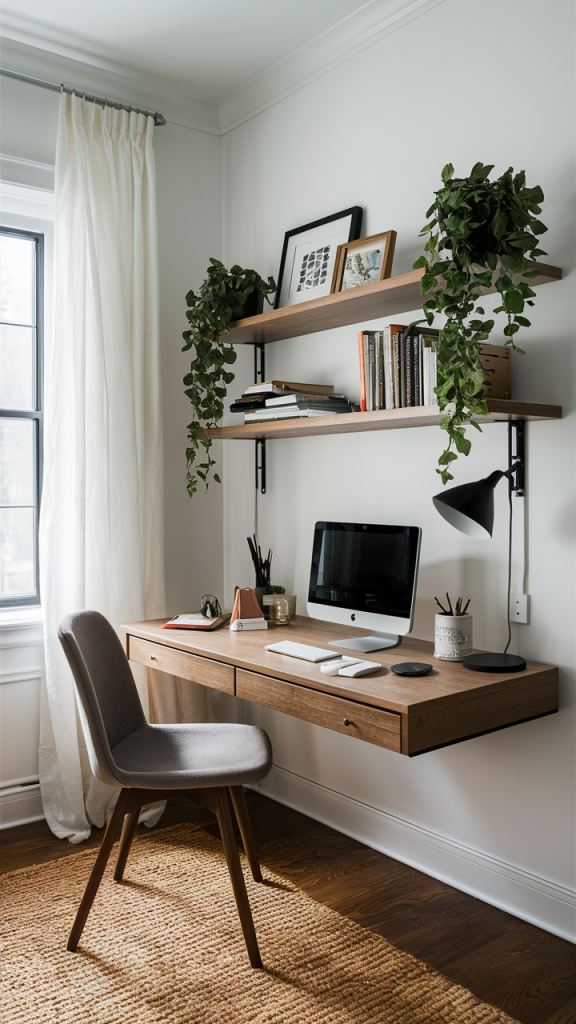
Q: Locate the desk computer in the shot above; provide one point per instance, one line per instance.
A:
(365, 574)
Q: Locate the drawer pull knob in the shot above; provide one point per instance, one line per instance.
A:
(347, 722)
(152, 657)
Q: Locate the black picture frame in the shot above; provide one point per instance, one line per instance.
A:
(353, 212)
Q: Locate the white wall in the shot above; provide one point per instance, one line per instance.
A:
(470, 81)
(189, 191)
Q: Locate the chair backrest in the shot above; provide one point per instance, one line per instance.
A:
(110, 707)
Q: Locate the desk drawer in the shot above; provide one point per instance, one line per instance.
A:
(366, 723)
(210, 673)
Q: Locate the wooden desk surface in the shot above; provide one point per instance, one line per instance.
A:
(450, 703)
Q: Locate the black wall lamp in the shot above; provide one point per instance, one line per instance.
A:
(470, 509)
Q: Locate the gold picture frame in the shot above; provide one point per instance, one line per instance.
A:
(363, 261)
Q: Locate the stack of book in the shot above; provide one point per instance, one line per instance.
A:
(398, 367)
(281, 400)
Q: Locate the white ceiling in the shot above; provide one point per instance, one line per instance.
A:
(204, 48)
(206, 64)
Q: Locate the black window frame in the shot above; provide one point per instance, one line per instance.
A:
(36, 414)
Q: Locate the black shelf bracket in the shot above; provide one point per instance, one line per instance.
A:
(261, 464)
(260, 444)
(516, 457)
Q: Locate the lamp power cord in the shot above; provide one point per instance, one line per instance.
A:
(509, 569)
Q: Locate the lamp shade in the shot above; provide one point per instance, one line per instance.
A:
(470, 507)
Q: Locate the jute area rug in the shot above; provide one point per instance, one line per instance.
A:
(166, 946)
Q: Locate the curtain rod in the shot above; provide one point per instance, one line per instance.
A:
(159, 119)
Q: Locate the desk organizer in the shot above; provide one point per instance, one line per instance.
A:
(452, 637)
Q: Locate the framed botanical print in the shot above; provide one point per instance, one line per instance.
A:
(309, 256)
(363, 261)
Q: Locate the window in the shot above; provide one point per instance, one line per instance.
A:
(21, 322)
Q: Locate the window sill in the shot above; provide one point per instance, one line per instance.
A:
(11, 618)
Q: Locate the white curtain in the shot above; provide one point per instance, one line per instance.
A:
(101, 540)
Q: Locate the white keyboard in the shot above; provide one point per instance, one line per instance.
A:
(301, 651)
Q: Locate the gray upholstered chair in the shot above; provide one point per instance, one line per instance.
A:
(155, 762)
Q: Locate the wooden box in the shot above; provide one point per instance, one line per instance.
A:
(496, 362)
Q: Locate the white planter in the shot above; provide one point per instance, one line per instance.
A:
(452, 637)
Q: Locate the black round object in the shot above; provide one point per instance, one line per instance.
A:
(495, 663)
(412, 668)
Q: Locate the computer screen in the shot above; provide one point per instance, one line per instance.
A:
(365, 573)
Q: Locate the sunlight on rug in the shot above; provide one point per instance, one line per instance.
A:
(166, 946)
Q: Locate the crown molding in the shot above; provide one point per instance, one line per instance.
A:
(354, 34)
(177, 108)
(24, 50)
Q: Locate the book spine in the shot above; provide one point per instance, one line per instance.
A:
(404, 368)
(416, 396)
(387, 346)
(433, 374)
(371, 383)
(380, 362)
(396, 369)
(426, 372)
(362, 371)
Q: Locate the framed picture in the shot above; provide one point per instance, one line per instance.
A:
(363, 261)
(309, 256)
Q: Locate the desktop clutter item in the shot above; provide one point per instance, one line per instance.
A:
(453, 632)
(411, 668)
(262, 568)
(198, 621)
(350, 667)
(279, 612)
(269, 600)
(210, 607)
(246, 613)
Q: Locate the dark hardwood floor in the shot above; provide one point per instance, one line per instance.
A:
(513, 965)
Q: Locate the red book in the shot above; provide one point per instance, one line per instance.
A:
(362, 372)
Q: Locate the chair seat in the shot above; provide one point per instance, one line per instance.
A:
(192, 755)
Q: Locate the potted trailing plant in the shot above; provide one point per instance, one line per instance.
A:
(225, 295)
(480, 234)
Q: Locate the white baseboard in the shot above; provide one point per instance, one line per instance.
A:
(529, 897)
(20, 806)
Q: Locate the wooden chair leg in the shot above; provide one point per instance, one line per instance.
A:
(98, 870)
(236, 876)
(245, 826)
(128, 830)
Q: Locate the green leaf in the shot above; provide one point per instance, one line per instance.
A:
(447, 173)
(446, 458)
(462, 443)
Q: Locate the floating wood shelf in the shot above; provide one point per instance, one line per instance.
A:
(499, 410)
(384, 298)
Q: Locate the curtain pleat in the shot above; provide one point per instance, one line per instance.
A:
(101, 539)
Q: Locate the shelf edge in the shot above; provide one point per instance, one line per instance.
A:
(500, 410)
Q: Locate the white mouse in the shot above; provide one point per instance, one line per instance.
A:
(359, 668)
(331, 668)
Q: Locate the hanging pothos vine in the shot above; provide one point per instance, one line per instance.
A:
(224, 296)
(480, 234)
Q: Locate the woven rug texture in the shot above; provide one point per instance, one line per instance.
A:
(166, 946)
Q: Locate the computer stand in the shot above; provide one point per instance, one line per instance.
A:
(375, 642)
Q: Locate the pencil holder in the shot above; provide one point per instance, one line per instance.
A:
(452, 637)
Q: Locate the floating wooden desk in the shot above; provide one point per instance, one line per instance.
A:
(407, 715)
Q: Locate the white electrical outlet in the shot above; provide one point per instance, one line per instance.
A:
(520, 608)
